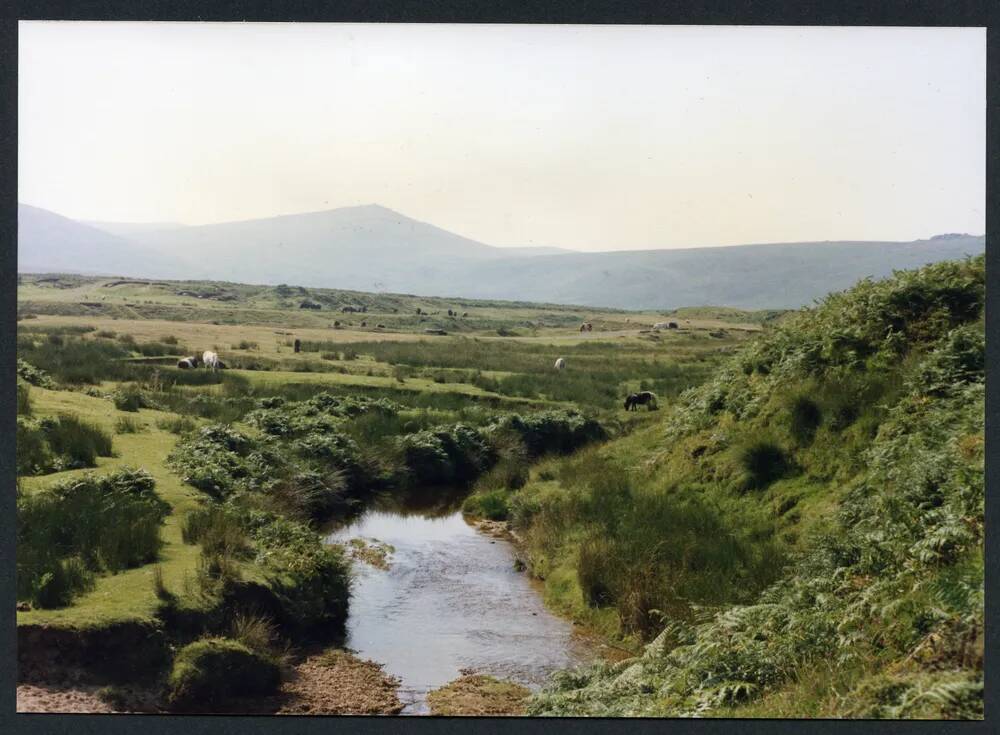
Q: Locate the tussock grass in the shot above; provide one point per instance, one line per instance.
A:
(77, 527)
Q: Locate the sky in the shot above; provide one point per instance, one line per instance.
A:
(584, 137)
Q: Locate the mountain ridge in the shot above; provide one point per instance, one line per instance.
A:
(374, 248)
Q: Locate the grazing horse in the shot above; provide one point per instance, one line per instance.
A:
(211, 360)
(643, 398)
(560, 364)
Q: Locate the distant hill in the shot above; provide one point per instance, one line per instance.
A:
(371, 248)
(49, 242)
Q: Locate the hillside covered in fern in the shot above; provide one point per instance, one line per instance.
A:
(801, 535)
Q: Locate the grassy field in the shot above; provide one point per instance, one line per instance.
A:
(810, 491)
(396, 406)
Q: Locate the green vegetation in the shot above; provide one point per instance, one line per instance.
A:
(54, 444)
(210, 673)
(81, 526)
(797, 533)
(873, 491)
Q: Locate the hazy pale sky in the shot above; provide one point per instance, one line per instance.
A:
(587, 137)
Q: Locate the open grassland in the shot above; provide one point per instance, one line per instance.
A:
(248, 462)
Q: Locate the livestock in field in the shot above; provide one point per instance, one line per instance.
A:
(643, 398)
(297, 345)
(211, 360)
(586, 327)
(188, 362)
(560, 364)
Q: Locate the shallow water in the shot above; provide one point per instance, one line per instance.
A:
(450, 600)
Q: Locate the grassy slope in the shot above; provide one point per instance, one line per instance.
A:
(880, 517)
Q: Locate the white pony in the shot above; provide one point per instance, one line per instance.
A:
(211, 360)
(560, 364)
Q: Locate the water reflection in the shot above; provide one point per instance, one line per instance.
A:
(450, 600)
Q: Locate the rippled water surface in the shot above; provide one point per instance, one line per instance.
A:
(450, 600)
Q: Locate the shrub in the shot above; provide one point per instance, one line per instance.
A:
(762, 462)
(492, 505)
(210, 672)
(155, 349)
(23, 399)
(449, 454)
(76, 441)
(176, 425)
(33, 456)
(128, 425)
(804, 418)
(57, 586)
(52, 444)
(109, 523)
(129, 399)
(560, 431)
(32, 375)
(217, 529)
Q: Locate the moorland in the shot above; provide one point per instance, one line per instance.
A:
(796, 531)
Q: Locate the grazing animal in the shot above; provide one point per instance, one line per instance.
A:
(379, 326)
(560, 364)
(188, 362)
(586, 327)
(220, 364)
(297, 345)
(364, 324)
(643, 398)
(211, 360)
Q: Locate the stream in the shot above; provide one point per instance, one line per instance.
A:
(450, 602)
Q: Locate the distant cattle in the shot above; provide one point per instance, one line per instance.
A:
(586, 327)
(364, 324)
(643, 398)
(379, 326)
(297, 345)
(307, 304)
(188, 362)
(465, 313)
(560, 364)
(348, 309)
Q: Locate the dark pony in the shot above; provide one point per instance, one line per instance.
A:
(643, 398)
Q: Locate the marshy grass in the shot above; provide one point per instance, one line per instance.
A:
(84, 526)
(128, 425)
